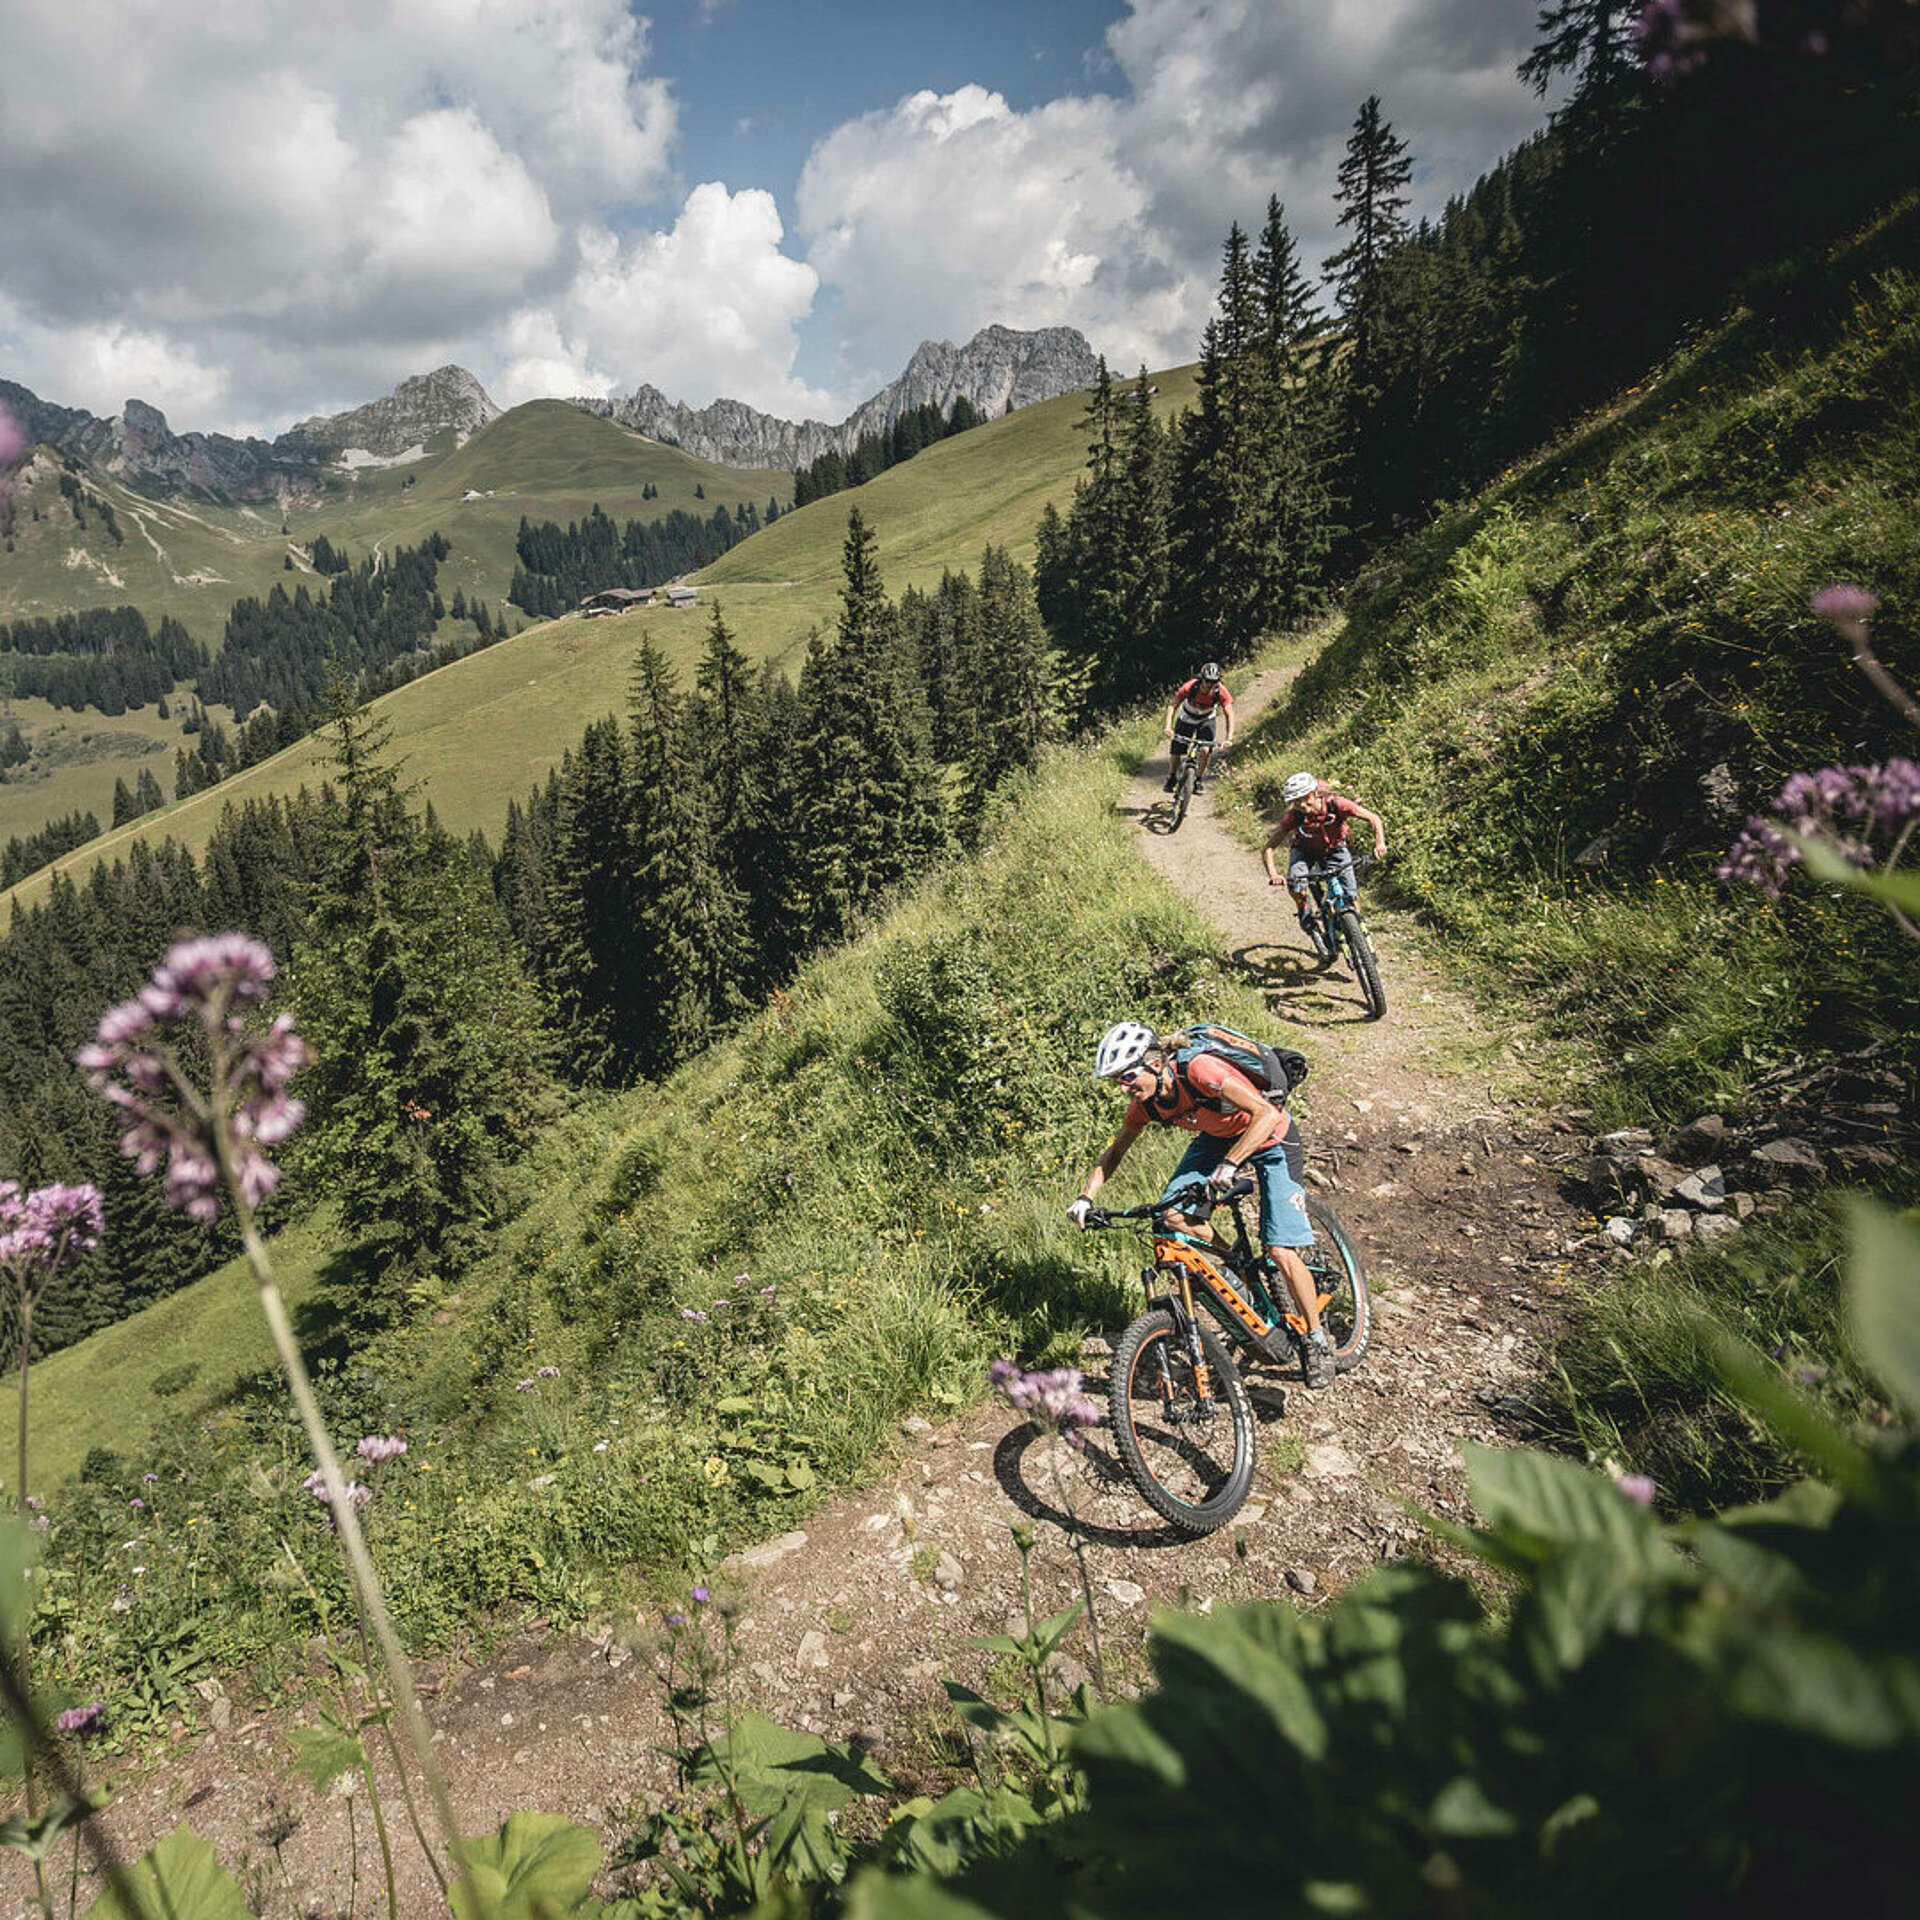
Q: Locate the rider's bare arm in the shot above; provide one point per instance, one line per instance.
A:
(1267, 1124)
(1278, 838)
(1104, 1167)
(1379, 829)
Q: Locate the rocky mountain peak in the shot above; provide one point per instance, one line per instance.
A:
(1000, 367)
(399, 426)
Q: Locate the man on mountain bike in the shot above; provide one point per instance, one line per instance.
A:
(1315, 822)
(1190, 719)
(1236, 1129)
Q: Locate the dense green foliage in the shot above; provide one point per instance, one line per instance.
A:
(104, 657)
(22, 856)
(915, 430)
(559, 567)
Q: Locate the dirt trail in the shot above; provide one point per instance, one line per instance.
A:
(1448, 1189)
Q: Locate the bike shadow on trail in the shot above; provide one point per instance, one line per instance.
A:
(1300, 986)
(1157, 818)
(1031, 1489)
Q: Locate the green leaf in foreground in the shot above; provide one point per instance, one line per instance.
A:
(1883, 1300)
(536, 1864)
(178, 1879)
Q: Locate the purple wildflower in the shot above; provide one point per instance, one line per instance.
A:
(547, 1373)
(378, 1448)
(82, 1720)
(1054, 1400)
(691, 1313)
(766, 1293)
(358, 1493)
(716, 1305)
(746, 1280)
(701, 1595)
(13, 448)
(133, 1064)
(47, 1230)
(1638, 1488)
(1845, 604)
(149, 1479)
(137, 1504)
(523, 1386)
(676, 1619)
(1847, 808)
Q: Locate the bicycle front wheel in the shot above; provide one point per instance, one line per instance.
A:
(1366, 968)
(1334, 1261)
(1188, 1443)
(1182, 791)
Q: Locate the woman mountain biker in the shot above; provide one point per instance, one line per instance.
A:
(1190, 722)
(1235, 1129)
(1315, 822)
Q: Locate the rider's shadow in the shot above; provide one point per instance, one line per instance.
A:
(1300, 984)
(1032, 1490)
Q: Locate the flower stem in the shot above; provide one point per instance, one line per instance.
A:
(1086, 1581)
(353, 1543)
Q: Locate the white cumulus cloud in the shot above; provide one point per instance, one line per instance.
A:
(1107, 211)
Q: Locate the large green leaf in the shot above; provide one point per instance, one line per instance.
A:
(1883, 1300)
(882, 1896)
(322, 1754)
(177, 1879)
(1239, 1656)
(534, 1866)
(1561, 1504)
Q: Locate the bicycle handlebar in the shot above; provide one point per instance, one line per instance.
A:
(1216, 1197)
(1326, 869)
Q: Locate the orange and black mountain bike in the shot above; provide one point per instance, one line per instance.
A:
(1182, 1420)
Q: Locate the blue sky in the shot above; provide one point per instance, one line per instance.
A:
(264, 211)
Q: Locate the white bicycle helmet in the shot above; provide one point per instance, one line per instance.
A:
(1298, 786)
(1121, 1047)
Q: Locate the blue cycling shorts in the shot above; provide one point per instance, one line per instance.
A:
(1283, 1201)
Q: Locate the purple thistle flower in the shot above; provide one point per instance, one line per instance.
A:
(547, 1373)
(1847, 808)
(746, 1280)
(701, 1595)
(676, 1619)
(149, 1479)
(137, 1504)
(1055, 1400)
(378, 1448)
(82, 1720)
(523, 1386)
(1845, 604)
(133, 1066)
(1638, 1488)
(716, 1305)
(691, 1313)
(47, 1230)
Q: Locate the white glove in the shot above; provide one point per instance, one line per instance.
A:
(1079, 1210)
(1223, 1176)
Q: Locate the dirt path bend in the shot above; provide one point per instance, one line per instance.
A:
(849, 1622)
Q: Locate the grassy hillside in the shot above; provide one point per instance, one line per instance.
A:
(1566, 696)
(482, 731)
(547, 460)
(743, 1277)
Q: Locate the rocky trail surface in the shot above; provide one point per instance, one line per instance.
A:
(846, 1626)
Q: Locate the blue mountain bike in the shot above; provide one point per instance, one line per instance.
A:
(1337, 923)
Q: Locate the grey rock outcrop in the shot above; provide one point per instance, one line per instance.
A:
(139, 449)
(997, 369)
(416, 410)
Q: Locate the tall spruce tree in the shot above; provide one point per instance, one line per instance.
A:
(1003, 680)
(870, 812)
(1372, 199)
(428, 1041)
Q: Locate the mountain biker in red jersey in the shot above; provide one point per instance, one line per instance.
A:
(1190, 718)
(1316, 823)
(1236, 1129)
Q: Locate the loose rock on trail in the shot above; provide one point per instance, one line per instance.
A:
(1453, 1193)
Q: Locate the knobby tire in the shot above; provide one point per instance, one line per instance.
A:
(1182, 792)
(1135, 1402)
(1365, 967)
(1335, 1262)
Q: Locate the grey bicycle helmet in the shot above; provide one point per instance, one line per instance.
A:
(1211, 671)
(1298, 786)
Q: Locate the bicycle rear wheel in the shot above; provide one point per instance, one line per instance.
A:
(1334, 1261)
(1366, 968)
(1191, 1453)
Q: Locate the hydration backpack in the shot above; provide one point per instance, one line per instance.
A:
(1274, 1070)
